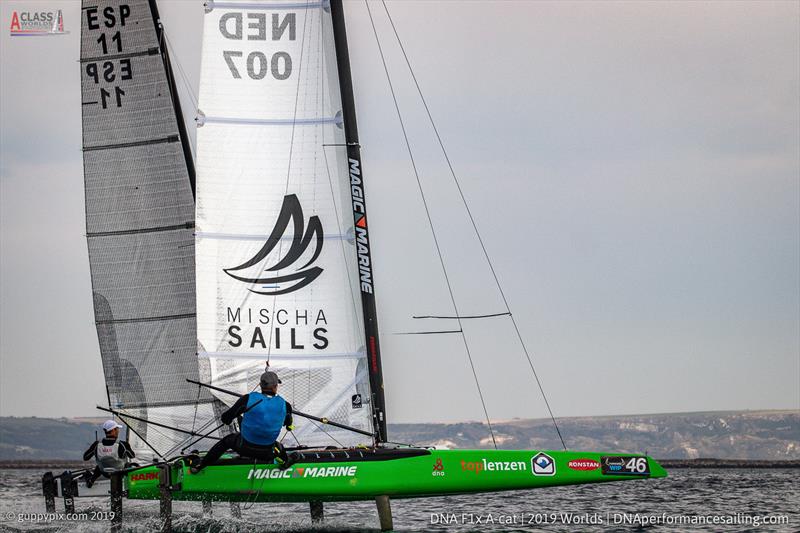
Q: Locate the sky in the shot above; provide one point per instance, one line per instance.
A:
(633, 167)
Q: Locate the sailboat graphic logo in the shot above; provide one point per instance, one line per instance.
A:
(269, 282)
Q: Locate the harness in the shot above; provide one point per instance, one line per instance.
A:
(262, 423)
(107, 457)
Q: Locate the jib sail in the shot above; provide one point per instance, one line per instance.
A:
(279, 271)
(139, 223)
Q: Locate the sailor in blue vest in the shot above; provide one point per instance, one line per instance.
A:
(263, 416)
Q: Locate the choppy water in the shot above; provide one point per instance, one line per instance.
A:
(730, 495)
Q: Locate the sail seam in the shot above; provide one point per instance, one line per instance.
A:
(146, 319)
(163, 404)
(270, 121)
(251, 237)
(212, 4)
(152, 51)
(187, 225)
(282, 357)
(169, 139)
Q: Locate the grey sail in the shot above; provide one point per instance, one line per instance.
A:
(139, 224)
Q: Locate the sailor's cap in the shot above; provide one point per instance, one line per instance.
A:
(108, 425)
(269, 379)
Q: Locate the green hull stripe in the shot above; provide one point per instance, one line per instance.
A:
(441, 472)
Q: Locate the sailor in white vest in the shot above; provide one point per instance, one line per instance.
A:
(263, 415)
(109, 454)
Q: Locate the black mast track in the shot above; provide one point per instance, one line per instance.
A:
(360, 219)
(173, 89)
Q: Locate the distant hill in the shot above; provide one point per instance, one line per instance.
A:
(762, 435)
(766, 435)
(44, 438)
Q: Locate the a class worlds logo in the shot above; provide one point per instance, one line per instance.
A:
(302, 239)
(37, 23)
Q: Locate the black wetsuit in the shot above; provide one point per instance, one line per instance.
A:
(124, 451)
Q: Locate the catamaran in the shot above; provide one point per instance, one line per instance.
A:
(256, 252)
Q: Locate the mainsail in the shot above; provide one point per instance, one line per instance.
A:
(282, 262)
(139, 223)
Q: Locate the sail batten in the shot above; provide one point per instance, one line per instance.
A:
(272, 121)
(245, 237)
(270, 6)
(282, 356)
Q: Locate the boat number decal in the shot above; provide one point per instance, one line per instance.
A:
(110, 74)
(438, 468)
(543, 465)
(583, 464)
(625, 465)
(235, 29)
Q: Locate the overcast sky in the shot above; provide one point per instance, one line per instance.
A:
(634, 168)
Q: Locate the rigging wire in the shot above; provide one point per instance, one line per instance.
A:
(143, 440)
(196, 405)
(295, 438)
(291, 152)
(165, 45)
(430, 222)
(474, 224)
(468, 317)
(323, 430)
(291, 145)
(174, 59)
(443, 332)
(181, 444)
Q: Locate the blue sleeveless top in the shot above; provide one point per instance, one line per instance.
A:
(262, 424)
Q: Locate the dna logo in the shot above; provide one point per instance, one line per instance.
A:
(438, 468)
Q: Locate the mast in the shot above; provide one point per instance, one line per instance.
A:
(360, 219)
(173, 89)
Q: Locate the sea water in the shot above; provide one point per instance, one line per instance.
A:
(689, 500)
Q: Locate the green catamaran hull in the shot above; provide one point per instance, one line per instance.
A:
(365, 474)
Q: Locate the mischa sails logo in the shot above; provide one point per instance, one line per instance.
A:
(268, 281)
(37, 23)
